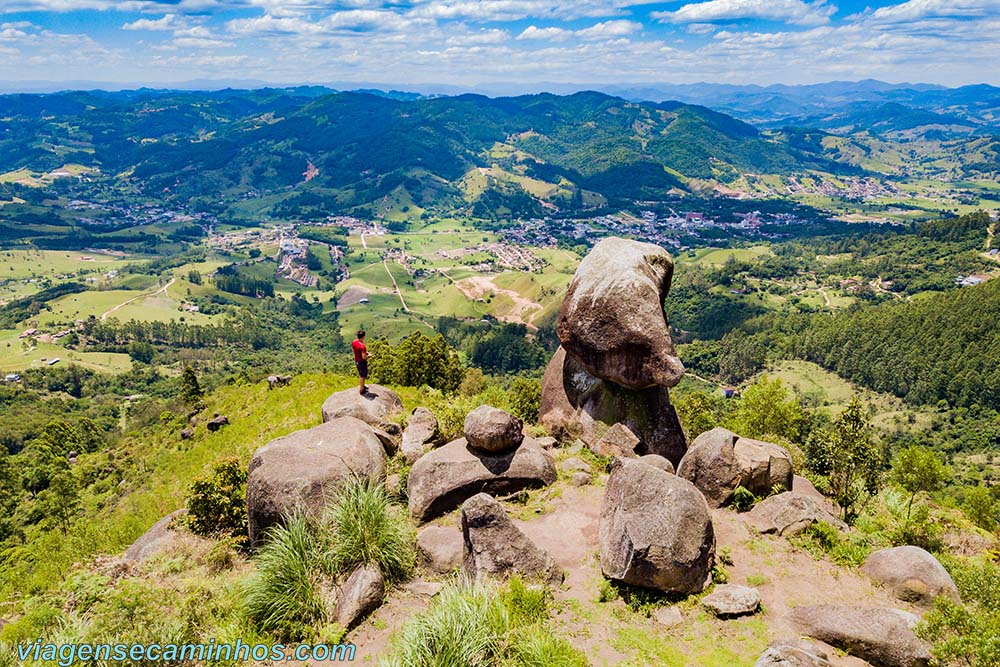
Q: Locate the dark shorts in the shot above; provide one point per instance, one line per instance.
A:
(362, 369)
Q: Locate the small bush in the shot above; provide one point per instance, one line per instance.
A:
(743, 499)
(526, 604)
(823, 540)
(282, 597)
(720, 575)
(967, 633)
(217, 503)
(362, 526)
(606, 591)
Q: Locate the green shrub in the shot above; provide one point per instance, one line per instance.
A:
(526, 604)
(821, 539)
(743, 499)
(217, 503)
(283, 595)
(967, 633)
(606, 591)
(361, 526)
(720, 575)
(525, 399)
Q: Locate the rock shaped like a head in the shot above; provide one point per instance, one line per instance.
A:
(612, 318)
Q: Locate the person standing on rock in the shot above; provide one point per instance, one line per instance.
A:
(361, 360)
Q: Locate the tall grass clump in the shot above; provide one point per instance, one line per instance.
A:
(483, 625)
(283, 596)
(361, 526)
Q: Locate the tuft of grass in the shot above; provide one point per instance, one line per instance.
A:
(362, 526)
(283, 596)
(484, 625)
(821, 539)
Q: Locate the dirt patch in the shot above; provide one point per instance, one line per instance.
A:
(478, 287)
(352, 296)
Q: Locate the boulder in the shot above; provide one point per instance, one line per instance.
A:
(494, 546)
(217, 422)
(440, 548)
(160, 537)
(882, 636)
(576, 403)
(912, 574)
(493, 430)
(794, 653)
(445, 477)
(616, 441)
(419, 434)
(300, 471)
(612, 317)
(730, 601)
(546, 442)
(718, 461)
(790, 513)
(658, 461)
(378, 406)
(581, 479)
(360, 595)
(655, 530)
(187, 433)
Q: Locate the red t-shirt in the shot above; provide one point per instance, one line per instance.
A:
(359, 349)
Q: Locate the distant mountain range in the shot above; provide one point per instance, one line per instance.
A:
(308, 149)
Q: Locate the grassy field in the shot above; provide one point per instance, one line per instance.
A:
(832, 394)
(16, 355)
(715, 257)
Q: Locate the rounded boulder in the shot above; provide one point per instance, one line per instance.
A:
(655, 530)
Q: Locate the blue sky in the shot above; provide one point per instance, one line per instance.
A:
(466, 42)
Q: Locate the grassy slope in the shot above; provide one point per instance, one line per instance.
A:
(160, 466)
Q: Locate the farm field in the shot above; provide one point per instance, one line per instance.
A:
(17, 355)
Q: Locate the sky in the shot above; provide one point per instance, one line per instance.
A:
(467, 43)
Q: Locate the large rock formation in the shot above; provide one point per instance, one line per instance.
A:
(719, 460)
(612, 318)
(576, 402)
(300, 471)
(911, 573)
(617, 360)
(790, 513)
(378, 406)
(881, 636)
(655, 530)
(494, 546)
(442, 479)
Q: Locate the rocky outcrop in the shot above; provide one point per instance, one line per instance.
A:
(794, 653)
(419, 434)
(493, 430)
(494, 546)
(612, 317)
(159, 538)
(718, 461)
(655, 530)
(882, 636)
(300, 471)
(444, 478)
(577, 403)
(616, 441)
(731, 601)
(616, 362)
(275, 381)
(360, 595)
(440, 548)
(912, 574)
(378, 407)
(790, 513)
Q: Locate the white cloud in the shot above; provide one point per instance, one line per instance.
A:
(165, 22)
(609, 29)
(795, 12)
(913, 10)
(551, 34)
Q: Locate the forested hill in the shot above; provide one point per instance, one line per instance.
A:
(364, 145)
(941, 348)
